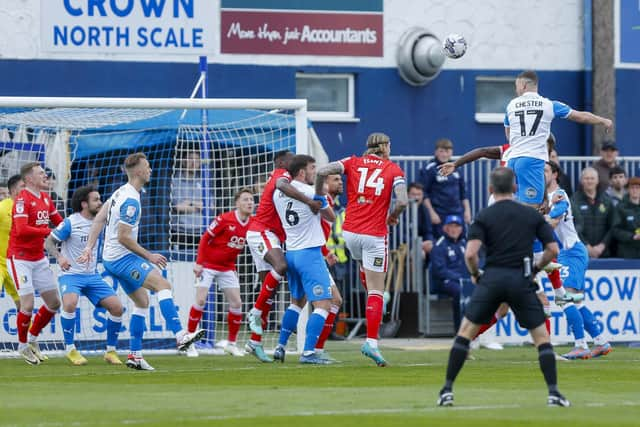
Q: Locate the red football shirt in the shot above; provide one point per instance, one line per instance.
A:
(503, 149)
(370, 182)
(266, 216)
(30, 227)
(222, 242)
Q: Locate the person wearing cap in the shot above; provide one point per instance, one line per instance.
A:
(618, 181)
(593, 212)
(444, 194)
(448, 269)
(607, 162)
(626, 229)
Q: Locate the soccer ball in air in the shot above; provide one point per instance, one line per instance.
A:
(454, 46)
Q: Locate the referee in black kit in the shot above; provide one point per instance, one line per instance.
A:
(507, 229)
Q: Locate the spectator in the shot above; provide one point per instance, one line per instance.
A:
(617, 185)
(55, 198)
(604, 166)
(444, 195)
(415, 192)
(626, 229)
(563, 180)
(448, 269)
(4, 191)
(594, 215)
(187, 204)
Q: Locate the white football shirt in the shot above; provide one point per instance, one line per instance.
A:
(73, 234)
(302, 227)
(529, 120)
(565, 230)
(124, 207)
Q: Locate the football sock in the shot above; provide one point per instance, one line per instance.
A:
(289, 323)
(574, 319)
(457, 356)
(374, 314)
(590, 323)
(554, 278)
(314, 329)
(328, 327)
(547, 360)
(169, 312)
(68, 322)
(234, 320)
(41, 319)
(195, 314)
(114, 324)
(363, 278)
(137, 325)
(269, 286)
(547, 325)
(486, 326)
(23, 321)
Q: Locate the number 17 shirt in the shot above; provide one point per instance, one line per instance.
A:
(370, 183)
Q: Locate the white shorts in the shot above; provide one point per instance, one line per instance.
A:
(31, 275)
(372, 251)
(224, 279)
(260, 242)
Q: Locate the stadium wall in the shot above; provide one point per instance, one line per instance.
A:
(502, 36)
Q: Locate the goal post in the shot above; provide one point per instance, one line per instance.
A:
(85, 140)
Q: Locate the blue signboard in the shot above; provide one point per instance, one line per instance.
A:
(629, 26)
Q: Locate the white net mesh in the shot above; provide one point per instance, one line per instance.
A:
(205, 158)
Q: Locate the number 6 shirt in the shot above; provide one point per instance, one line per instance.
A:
(370, 183)
(303, 227)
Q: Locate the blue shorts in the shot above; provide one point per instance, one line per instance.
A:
(130, 270)
(308, 275)
(575, 262)
(90, 285)
(529, 179)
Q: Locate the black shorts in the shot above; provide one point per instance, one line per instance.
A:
(498, 285)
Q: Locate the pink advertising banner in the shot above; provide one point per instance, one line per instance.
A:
(301, 33)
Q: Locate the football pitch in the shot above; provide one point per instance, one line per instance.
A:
(498, 388)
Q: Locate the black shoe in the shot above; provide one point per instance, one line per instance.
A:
(335, 337)
(557, 399)
(445, 398)
(278, 354)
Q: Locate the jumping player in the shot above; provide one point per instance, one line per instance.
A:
(371, 180)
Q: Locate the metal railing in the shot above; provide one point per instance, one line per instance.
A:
(415, 279)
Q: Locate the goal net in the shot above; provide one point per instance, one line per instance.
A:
(201, 153)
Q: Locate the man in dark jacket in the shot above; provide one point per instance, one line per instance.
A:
(448, 269)
(627, 224)
(593, 215)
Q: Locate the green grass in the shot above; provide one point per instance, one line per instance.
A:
(498, 388)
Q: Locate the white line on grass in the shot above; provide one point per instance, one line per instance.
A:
(380, 411)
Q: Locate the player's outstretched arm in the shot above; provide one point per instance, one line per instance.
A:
(328, 169)
(402, 200)
(588, 118)
(492, 152)
(289, 190)
(96, 228)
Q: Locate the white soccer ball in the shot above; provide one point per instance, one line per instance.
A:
(454, 46)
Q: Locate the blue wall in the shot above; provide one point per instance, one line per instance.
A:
(413, 117)
(628, 111)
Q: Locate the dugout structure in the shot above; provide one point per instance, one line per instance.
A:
(85, 140)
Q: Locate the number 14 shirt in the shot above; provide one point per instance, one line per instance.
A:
(370, 183)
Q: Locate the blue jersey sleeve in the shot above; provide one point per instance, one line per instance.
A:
(560, 110)
(561, 206)
(62, 231)
(130, 211)
(506, 119)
